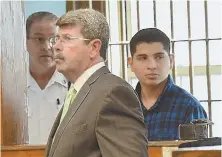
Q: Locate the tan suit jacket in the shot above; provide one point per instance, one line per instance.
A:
(105, 120)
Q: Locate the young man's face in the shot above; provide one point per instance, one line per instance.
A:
(151, 63)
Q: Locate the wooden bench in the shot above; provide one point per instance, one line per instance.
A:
(197, 153)
(156, 149)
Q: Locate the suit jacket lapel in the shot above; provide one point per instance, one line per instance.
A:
(53, 131)
(70, 113)
(97, 74)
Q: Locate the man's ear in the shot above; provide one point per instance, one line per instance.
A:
(171, 61)
(130, 62)
(96, 45)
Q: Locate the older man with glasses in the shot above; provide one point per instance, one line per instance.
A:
(102, 115)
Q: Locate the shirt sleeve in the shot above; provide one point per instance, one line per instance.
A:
(196, 111)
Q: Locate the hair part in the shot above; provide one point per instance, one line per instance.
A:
(94, 26)
(38, 16)
(149, 35)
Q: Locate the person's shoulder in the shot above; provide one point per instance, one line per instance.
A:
(114, 88)
(115, 80)
(60, 80)
(112, 82)
(184, 96)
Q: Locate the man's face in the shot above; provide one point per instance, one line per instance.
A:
(71, 55)
(40, 52)
(151, 63)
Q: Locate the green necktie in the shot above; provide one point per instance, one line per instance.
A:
(69, 99)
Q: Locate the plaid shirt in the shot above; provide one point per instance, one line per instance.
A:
(174, 106)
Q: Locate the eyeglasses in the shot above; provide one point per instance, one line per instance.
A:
(39, 40)
(65, 39)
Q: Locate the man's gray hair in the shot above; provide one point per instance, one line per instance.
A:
(94, 25)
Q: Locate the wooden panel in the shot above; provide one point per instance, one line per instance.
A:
(155, 152)
(1, 103)
(198, 153)
(100, 6)
(81, 4)
(13, 73)
(156, 149)
(167, 143)
(69, 5)
(163, 148)
(96, 4)
(33, 153)
(167, 151)
(23, 151)
(15, 152)
(38, 151)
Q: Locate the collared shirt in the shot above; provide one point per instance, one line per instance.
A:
(44, 105)
(85, 76)
(174, 106)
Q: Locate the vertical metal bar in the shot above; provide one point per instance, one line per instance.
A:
(120, 19)
(124, 46)
(126, 19)
(171, 18)
(81, 4)
(109, 62)
(90, 4)
(126, 31)
(138, 15)
(107, 14)
(190, 44)
(174, 64)
(70, 5)
(99, 5)
(208, 65)
(111, 58)
(126, 22)
(172, 37)
(129, 20)
(154, 12)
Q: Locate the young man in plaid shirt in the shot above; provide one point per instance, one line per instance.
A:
(165, 105)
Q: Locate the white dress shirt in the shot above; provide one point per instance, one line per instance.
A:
(43, 106)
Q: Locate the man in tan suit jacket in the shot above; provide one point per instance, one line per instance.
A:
(102, 115)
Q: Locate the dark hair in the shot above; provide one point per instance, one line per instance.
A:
(37, 16)
(149, 35)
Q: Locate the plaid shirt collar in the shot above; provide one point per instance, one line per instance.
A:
(166, 91)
